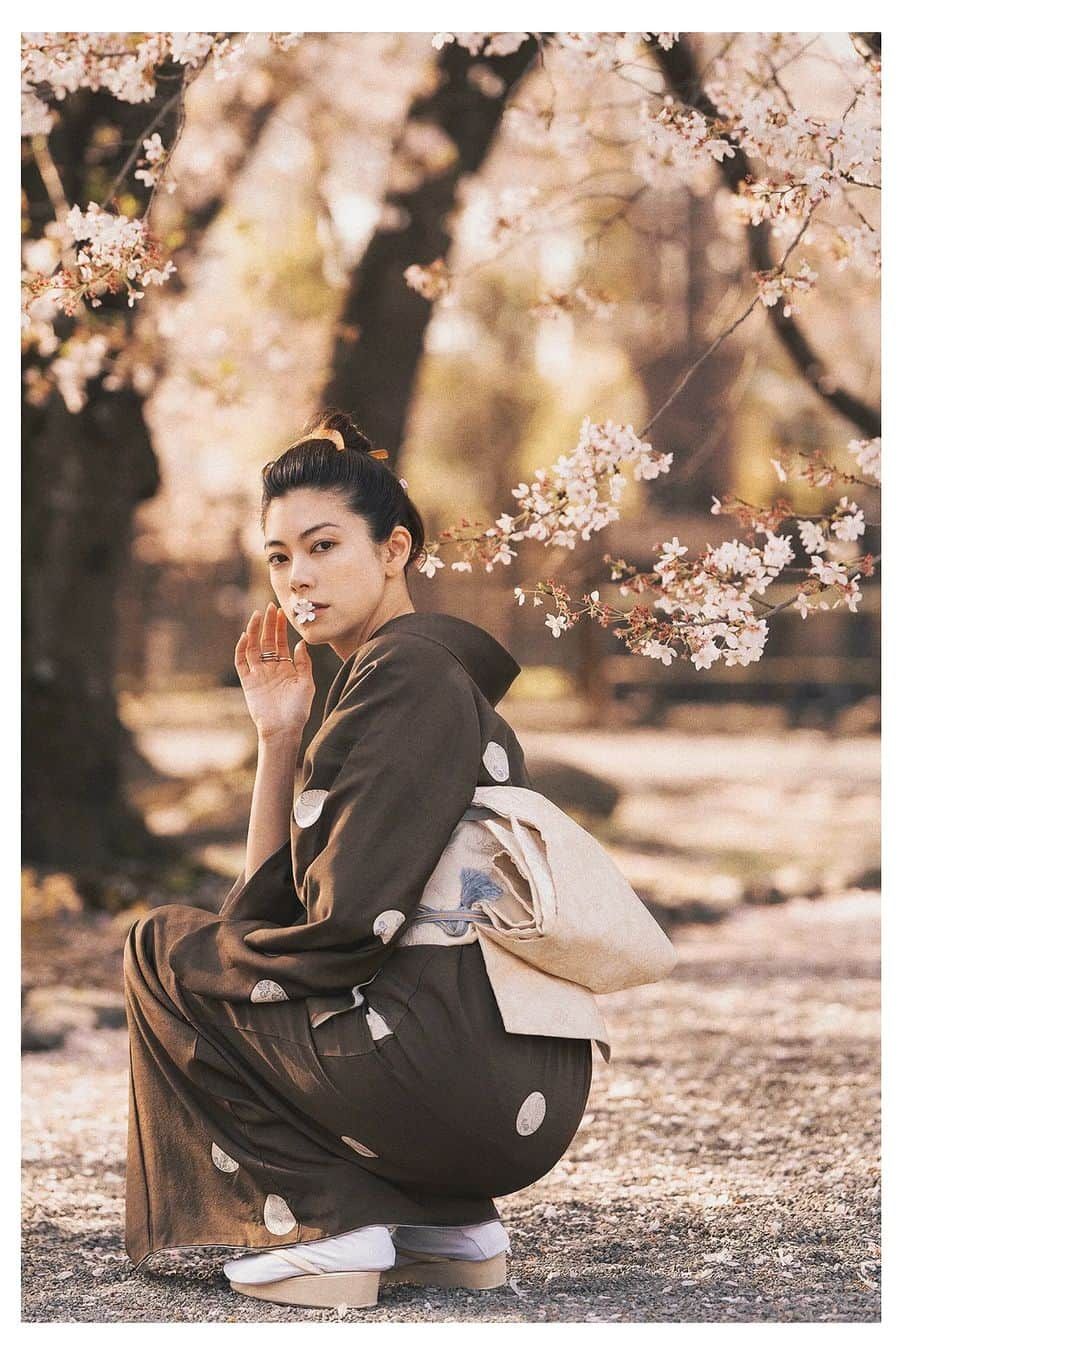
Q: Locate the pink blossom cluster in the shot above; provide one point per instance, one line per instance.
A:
(800, 161)
(822, 537)
(868, 456)
(743, 86)
(856, 244)
(678, 146)
(100, 251)
(152, 163)
(712, 601)
(807, 160)
(432, 281)
(780, 285)
(591, 53)
(125, 64)
(709, 600)
(82, 358)
(576, 496)
(766, 199)
(812, 467)
(116, 252)
(482, 44)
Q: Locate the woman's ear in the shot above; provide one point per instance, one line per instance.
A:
(398, 546)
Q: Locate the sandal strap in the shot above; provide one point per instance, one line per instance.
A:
(420, 1258)
(301, 1262)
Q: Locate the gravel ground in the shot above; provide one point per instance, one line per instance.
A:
(727, 1169)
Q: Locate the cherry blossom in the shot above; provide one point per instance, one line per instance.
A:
(432, 281)
(850, 522)
(781, 285)
(812, 536)
(672, 550)
(868, 456)
(659, 651)
(676, 145)
(828, 573)
(487, 44)
(154, 153)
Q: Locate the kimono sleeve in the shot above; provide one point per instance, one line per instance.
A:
(268, 894)
(386, 779)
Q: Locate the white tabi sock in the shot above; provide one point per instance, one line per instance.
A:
(369, 1248)
(468, 1242)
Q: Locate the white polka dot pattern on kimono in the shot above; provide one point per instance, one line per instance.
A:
(308, 806)
(377, 1023)
(360, 1148)
(277, 1216)
(268, 991)
(221, 1159)
(496, 763)
(387, 923)
(531, 1113)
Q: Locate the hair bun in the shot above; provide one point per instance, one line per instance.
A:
(320, 434)
(336, 426)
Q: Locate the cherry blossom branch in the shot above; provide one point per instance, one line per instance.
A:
(137, 148)
(726, 333)
(866, 566)
(678, 65)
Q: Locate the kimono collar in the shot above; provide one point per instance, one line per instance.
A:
(487, 661)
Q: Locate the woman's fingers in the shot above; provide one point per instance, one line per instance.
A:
(268, 635)
(247, 638)
(240, 657)
(266, 631)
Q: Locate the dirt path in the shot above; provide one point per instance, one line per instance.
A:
(727, 1169)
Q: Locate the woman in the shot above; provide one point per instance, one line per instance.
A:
(320, 1072)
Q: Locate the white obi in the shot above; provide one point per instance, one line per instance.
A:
(464, 875)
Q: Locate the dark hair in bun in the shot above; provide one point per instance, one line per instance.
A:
(370, 487)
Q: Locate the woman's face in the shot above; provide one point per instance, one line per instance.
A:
(317, 549)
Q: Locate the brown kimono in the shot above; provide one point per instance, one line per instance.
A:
(297, 1069)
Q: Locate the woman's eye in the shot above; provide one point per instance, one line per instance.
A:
(280, 557)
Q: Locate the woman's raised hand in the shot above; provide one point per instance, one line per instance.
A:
(278, 693)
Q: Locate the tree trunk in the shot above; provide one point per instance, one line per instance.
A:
(84, 475)
(374, 372)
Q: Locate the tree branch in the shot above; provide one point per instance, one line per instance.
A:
(679, 69)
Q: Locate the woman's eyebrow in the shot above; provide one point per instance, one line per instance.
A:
(280, 543)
